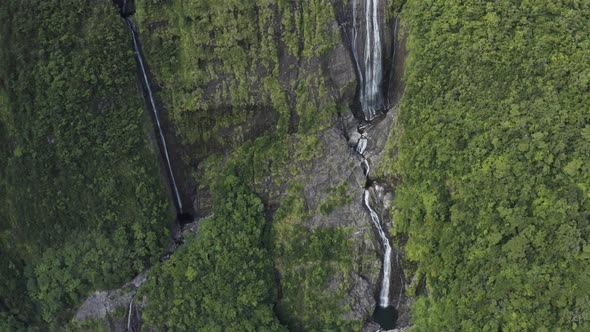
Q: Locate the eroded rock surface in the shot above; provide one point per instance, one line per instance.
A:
(101, 304)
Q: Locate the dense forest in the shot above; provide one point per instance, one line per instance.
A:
(83, 206)
(222, 279)
(494, 155)
(487, 154)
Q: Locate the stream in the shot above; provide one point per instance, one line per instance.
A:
(369, 66)
(155, 111)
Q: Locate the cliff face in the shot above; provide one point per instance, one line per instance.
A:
(271, 86)
(242, 71)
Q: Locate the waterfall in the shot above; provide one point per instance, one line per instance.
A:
(371, 72)
(384, 295)
(370, 75)
(155, 111)
(129, 315)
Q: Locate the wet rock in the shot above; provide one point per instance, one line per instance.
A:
(354, 138)
(341, 70)
(371, 327)
(100, 305)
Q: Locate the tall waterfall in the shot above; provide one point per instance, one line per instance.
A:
(370, 73)
(155, 111)
(384, 294)
(370, 70)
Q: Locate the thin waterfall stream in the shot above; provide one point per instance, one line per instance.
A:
(154, 110)
(384, 293)
(129, 329)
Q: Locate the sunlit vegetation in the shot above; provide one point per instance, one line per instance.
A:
(82, 203)
(493, 157)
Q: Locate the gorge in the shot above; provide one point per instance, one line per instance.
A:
(366, 48)
(241, 102)
(253, 165)
(370, 74)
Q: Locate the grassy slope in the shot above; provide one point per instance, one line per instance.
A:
(494, 155)
(82, 203)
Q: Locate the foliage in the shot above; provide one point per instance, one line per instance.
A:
(82, 203)
(314, 265)
(338, 196)
(224, 74)
(493, 158)
(221, 279)
(257, 64)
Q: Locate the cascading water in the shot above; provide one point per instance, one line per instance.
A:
(129, 314)
(384, 294)
(155, 111)
(370, 72)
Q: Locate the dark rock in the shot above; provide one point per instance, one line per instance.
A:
(341, 70)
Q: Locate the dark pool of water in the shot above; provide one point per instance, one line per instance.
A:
(385, 317)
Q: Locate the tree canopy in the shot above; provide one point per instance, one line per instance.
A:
(493, 156)
(82, 202)
(222, 279)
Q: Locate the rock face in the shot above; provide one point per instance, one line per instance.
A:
(102, 305)
(337, 163)
(341, 70)
(333, 164)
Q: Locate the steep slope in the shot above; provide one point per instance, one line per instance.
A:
(263, 89)
(82, 203)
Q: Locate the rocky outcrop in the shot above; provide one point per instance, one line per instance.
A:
(337, 163)
(334, 164)
(341, 70)
(103, 305)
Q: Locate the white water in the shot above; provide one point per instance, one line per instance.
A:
(155, 110)
(370, 78)
(384, 295)
(129, 315)
(362, 145)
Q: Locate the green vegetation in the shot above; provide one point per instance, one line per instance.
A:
(247, 89)
(309, 260)
(493, 156)
(338, 196)
(82, 203)
(221, 73)
(493, 141)
(222, 279)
